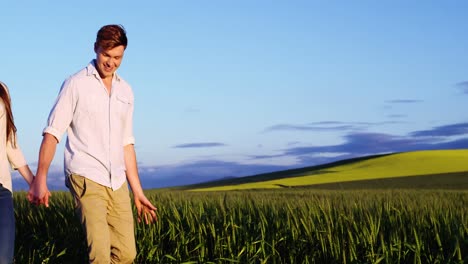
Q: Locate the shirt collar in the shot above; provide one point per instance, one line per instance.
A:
(91, 70)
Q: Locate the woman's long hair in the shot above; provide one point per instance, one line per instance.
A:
(10, 124)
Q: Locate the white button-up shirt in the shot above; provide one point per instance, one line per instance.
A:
(98, 125)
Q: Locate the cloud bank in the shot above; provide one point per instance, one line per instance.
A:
(200, 145)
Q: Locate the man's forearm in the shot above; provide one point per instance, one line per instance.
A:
(46, 155)
(132, 170)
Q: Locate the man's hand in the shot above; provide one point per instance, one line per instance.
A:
(145, 209)
(39, 193)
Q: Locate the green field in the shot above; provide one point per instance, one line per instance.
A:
(418, 217)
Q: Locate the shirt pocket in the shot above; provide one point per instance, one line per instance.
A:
(123, 105)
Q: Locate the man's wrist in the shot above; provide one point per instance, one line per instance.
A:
(41, 178)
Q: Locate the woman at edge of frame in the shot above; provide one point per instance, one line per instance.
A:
(11, 157)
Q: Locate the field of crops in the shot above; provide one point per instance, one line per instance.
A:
(276, 226)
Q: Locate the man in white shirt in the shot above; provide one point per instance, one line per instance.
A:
(95, 108)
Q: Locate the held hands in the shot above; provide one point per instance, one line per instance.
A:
(145, 208)
(38, 193)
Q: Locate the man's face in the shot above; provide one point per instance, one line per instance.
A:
(108, 61)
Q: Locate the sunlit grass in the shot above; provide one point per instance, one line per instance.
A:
(278, 226)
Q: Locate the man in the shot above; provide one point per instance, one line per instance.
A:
(95, 108)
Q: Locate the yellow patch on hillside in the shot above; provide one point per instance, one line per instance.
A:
(397, 165)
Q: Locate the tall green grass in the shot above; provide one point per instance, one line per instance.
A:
(282, 226)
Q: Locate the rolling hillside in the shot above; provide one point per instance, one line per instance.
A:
(429, 169)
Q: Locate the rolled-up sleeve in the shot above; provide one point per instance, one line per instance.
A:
(15, 156)
(61, 114)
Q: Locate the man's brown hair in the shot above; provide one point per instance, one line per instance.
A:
(111, 36)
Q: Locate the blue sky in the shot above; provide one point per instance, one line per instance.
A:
(236, 88)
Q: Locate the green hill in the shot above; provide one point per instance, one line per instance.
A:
(418, 169)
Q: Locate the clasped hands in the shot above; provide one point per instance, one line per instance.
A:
(38, 193)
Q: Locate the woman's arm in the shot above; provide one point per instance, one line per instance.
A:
(27, 174)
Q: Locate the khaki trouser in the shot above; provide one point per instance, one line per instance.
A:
(107, 219)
